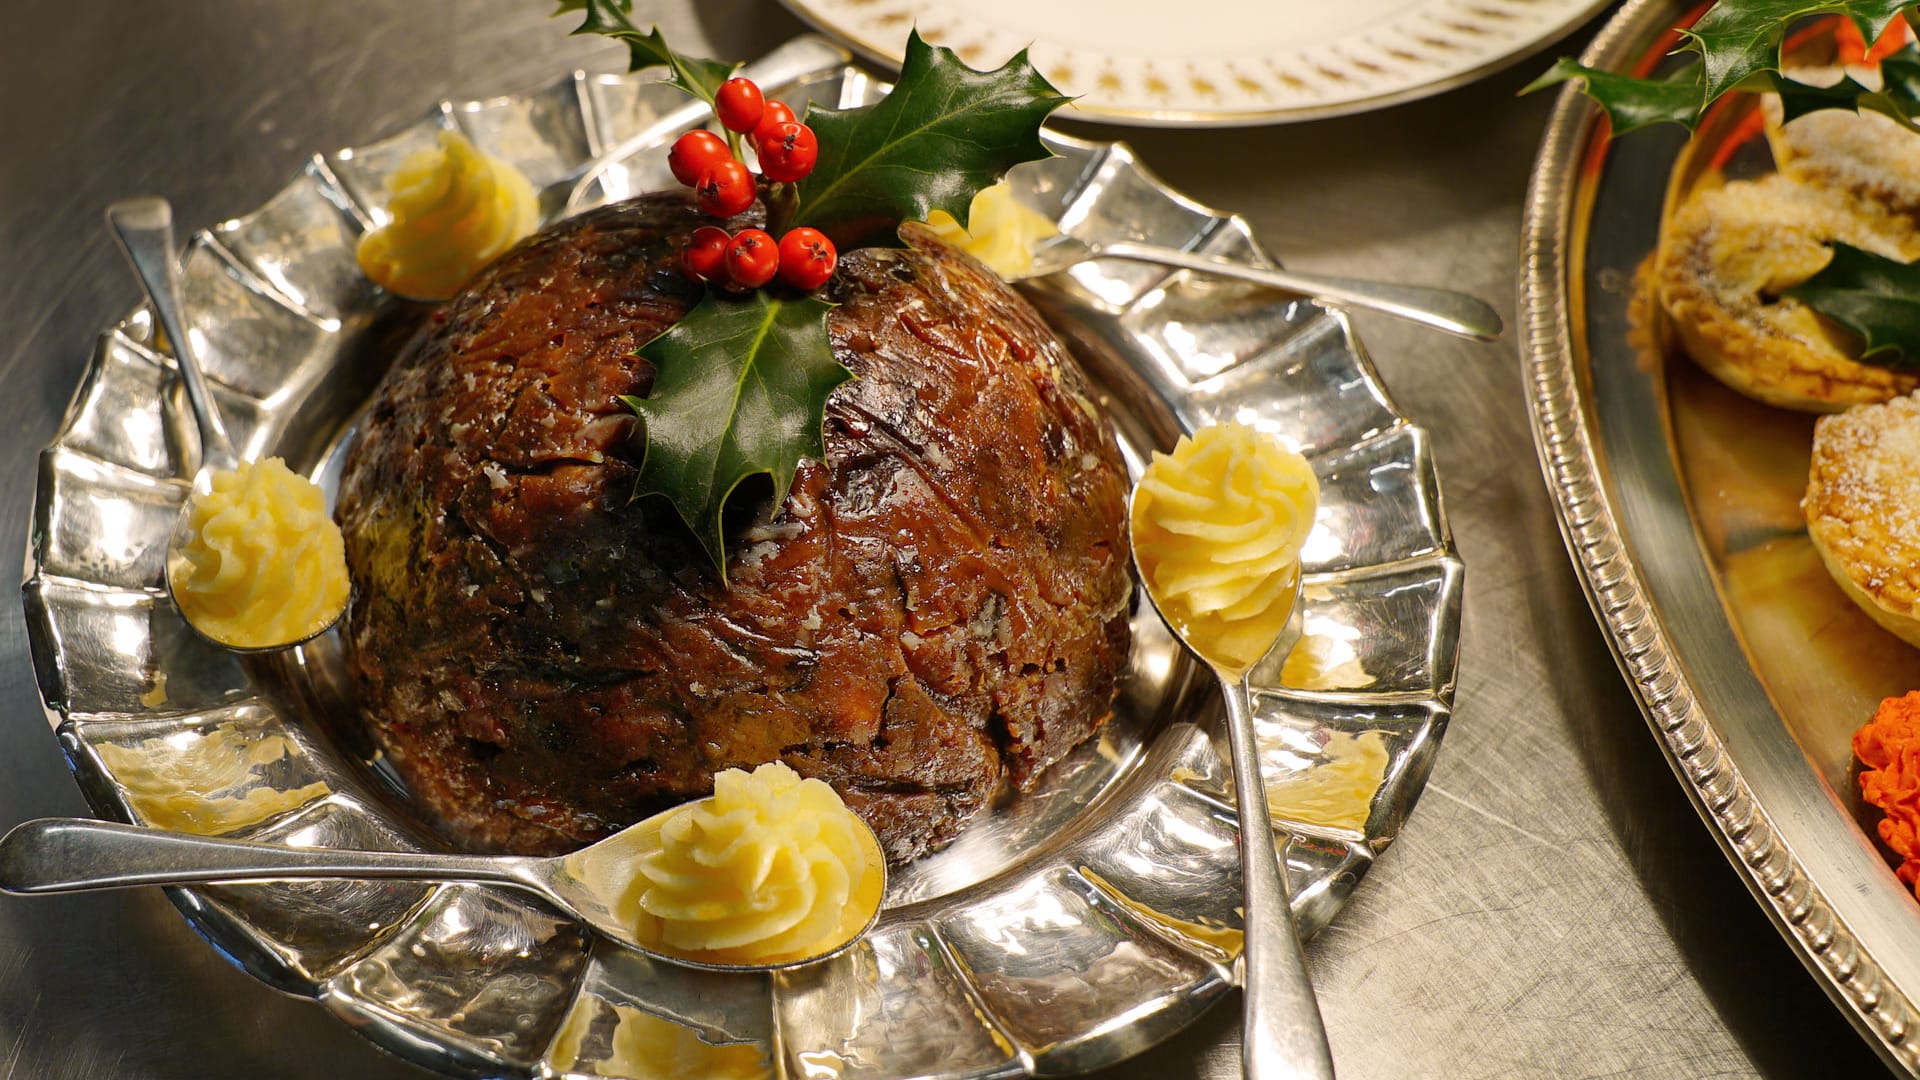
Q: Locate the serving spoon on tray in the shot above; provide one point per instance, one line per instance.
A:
(144, 227)
(62, 855)
(1440, 309)
(1282, 1034)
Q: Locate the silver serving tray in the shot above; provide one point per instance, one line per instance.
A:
(1065, 930)
(1752, 684)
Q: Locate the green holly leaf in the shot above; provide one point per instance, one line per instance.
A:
(740, 388)
(945, 132)
(1736, 45)
(1875, 297)
(1740, 39)
(1898, 98)
(1631, 103)
(698, 77)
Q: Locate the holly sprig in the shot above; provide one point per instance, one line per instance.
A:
(1736, 45)
(945, 132)
(1739, 45)
(742, 380)
(696, 75)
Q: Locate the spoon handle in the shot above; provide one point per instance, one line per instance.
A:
(1283, 1035)
(1442, 309)
(144, 227)
(55, 855)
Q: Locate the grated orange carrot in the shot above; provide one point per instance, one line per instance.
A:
(1889, 746)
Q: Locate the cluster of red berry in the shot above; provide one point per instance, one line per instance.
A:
(804, 258)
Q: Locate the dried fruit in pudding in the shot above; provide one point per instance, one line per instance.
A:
(938, 606)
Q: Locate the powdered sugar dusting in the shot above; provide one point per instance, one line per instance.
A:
(1863, 497)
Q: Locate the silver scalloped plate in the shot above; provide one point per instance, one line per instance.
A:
(1066, 929)
(1751, 666)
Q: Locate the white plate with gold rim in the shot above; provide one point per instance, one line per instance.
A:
(1226, 62)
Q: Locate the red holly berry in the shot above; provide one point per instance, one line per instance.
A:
(776, 113)
(705, 256)
(788, 152)
(752, 258)
(725, 190)
(738, 104)
(695, 153)
(807, 258)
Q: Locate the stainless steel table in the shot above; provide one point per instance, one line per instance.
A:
(1553, 909)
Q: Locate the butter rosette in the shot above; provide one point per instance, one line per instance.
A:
(263, 565)
(1000, 230)
(1217, 530)
(454, 210)
(771, 868)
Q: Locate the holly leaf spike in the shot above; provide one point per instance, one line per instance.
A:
(1631, 103)
(1875, 297)
(945, 132)
(1740, 40)
(1735, 45)
(740, 386)
(1898, 99)
(697, 76)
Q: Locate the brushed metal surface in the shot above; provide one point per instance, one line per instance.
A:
(1555, 909)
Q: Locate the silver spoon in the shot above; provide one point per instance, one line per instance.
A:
(144, 227)
(1442, 309)
(59, 855)
(1282, 1032)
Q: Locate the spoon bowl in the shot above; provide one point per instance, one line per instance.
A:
(144, 228)
(60, 855)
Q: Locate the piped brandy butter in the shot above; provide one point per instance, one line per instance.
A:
(1217, 530)
(454, 211)
(771, 868)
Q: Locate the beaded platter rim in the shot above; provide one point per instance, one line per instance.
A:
(1614, 482)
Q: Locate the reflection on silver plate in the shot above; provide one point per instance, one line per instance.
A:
(1749, 681)
(1065, 930)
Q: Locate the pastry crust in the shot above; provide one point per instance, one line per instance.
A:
(1866, 155)
(1726, 256)
(1863, 509)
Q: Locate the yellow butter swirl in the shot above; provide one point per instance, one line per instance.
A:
(263, 565)
(771, 868)
(454, 211)
(208, 783)
(1000, 230)
(1217, 529)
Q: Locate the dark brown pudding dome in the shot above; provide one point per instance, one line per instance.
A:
(939, 604)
